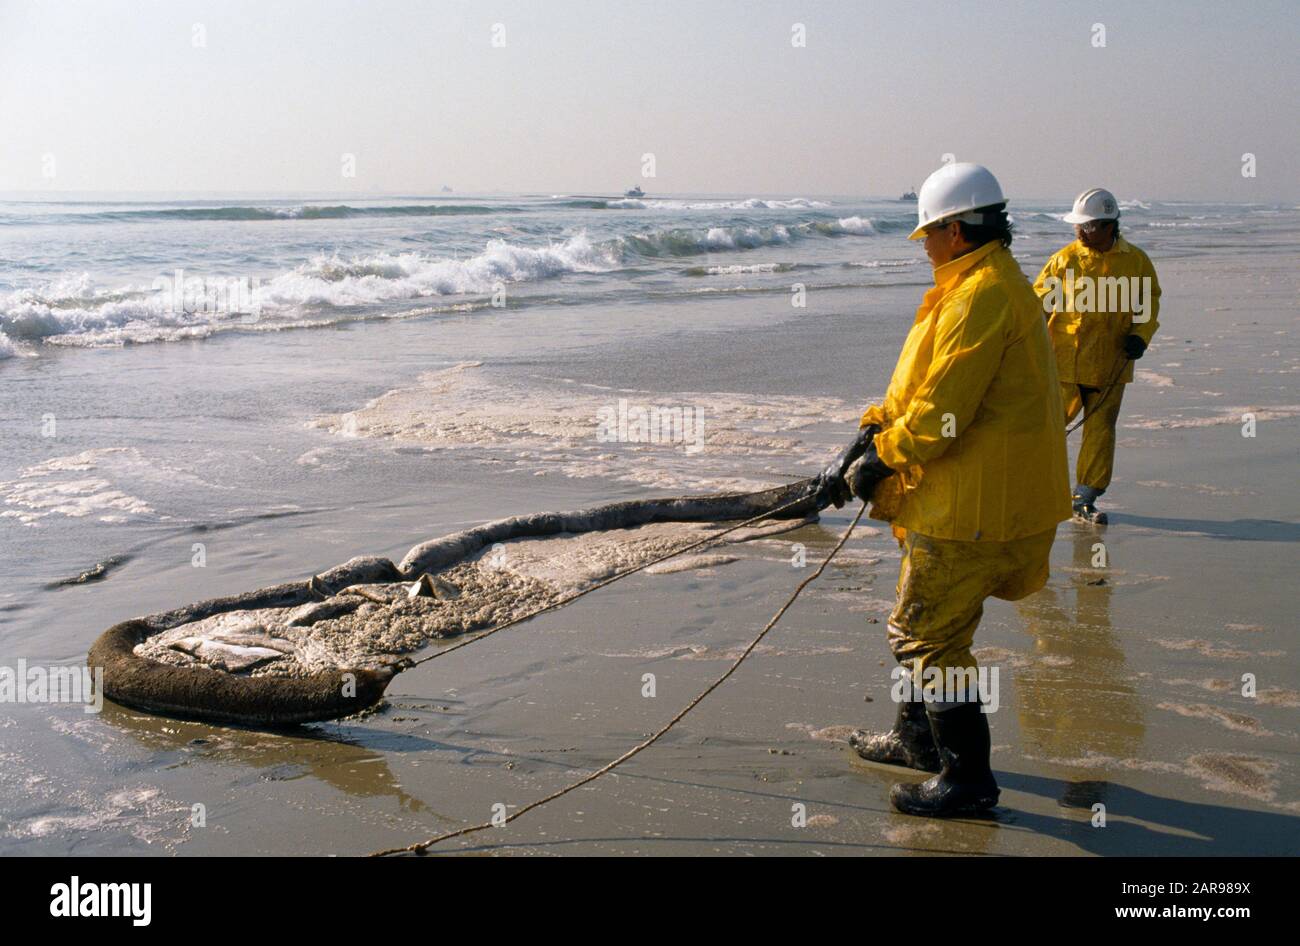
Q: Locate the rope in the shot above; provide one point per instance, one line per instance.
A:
(1105, 392)
(605, 582)
(421, 847)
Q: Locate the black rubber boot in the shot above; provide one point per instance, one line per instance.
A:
(909, 743)
(965, 784)
(1083, 503)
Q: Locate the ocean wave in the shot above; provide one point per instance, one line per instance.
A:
(382, 277)
(855, 225)
(142, 332)
(255, 213)
(74, 306)
(688, 242)
(385, 277)
(1194, 224)
(750, 203)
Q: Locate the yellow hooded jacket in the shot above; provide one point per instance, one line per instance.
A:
(1092, 312)
(972, 417)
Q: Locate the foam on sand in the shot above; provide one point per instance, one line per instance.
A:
(57, 487)
(1227, 415)
(1237, 722)
(102, 483)
(1235, 774)
(555, 429)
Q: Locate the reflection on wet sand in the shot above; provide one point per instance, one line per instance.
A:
(331, 756)
(1075, 699)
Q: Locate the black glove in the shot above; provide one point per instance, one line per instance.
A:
(1134, 347)
(830, 488)
(869, 474)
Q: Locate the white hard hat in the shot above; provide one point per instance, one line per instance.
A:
(1096, 203)
(951, 192)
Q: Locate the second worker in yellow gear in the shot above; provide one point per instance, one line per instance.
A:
(1102, 300)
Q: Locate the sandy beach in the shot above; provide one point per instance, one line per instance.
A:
(1120, 685)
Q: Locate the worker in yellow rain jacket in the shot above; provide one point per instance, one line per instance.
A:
(1102, 300)
(966, 458)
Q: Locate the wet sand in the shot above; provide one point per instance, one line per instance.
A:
(1119, 685)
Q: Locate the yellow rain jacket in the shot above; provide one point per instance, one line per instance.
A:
(972, 417)
(1093, 311)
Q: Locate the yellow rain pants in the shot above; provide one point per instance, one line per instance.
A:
(941, 590)
(1096, 460)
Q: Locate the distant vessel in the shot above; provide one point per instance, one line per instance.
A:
(446, 189)
(634, 192)
(910, 195)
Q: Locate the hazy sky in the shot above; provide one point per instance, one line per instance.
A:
(123, 100)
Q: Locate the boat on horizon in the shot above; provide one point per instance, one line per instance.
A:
(634, 192)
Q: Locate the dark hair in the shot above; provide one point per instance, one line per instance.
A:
(996, 226)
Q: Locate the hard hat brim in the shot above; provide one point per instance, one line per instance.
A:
(1073, 217)
(965, 216)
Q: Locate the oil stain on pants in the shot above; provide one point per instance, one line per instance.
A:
(942, 585)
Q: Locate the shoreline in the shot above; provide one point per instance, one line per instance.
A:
(1124, 692)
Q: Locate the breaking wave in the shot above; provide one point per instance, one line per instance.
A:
(384, 277)
(687, 242)
(856, 225)
(76, 306)
(73, 304)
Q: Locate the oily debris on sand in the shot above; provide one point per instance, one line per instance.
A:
(369, 626)
(362, 627)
